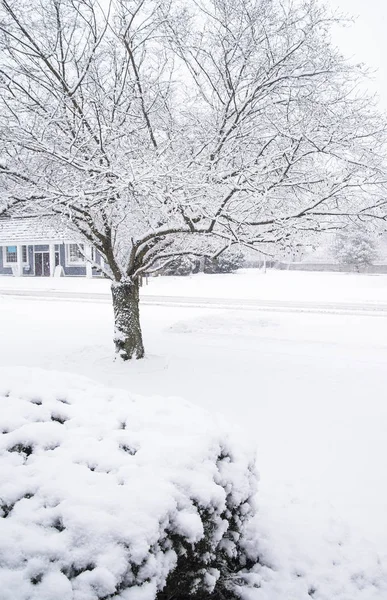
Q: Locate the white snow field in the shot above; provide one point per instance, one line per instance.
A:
(305, 385)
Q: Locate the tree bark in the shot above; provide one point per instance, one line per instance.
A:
(127, 329)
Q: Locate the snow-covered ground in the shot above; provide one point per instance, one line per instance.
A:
(308, 388)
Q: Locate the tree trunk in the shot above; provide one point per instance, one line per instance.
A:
(127, 329)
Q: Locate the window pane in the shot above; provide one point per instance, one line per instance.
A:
(11, 254)
(24, 253)
(75, 254)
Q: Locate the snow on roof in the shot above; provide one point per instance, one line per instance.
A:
(34, 230)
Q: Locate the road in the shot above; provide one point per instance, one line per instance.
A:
(366, 308)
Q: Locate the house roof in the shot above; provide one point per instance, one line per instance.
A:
(34, 230)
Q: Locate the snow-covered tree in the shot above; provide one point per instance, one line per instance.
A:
(356, 247)
(160, 129)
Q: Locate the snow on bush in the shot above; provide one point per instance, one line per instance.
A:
(228, 262)
(356, 247)
(106, 495)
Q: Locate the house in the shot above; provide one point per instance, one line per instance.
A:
(42, 247)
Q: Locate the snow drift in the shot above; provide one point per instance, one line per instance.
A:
(106, 495)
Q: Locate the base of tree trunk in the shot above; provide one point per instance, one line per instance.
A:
(127, 330)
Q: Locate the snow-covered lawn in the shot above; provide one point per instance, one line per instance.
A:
(310, 390)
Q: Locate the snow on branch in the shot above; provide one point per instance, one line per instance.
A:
(186, 126)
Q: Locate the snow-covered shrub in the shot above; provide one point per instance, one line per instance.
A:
(356, 248)
(228, 262)
(104, 495)
(182, 265)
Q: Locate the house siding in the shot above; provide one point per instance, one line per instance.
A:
(75, 271)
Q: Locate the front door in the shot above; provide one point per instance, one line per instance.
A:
(42, 264)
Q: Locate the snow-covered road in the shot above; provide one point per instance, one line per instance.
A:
(346, 308)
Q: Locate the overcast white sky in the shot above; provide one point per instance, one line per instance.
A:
(366, 40)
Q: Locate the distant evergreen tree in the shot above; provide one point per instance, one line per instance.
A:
(356, 248)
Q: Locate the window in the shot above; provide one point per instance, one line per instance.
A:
(75, 254)
(11, 255)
